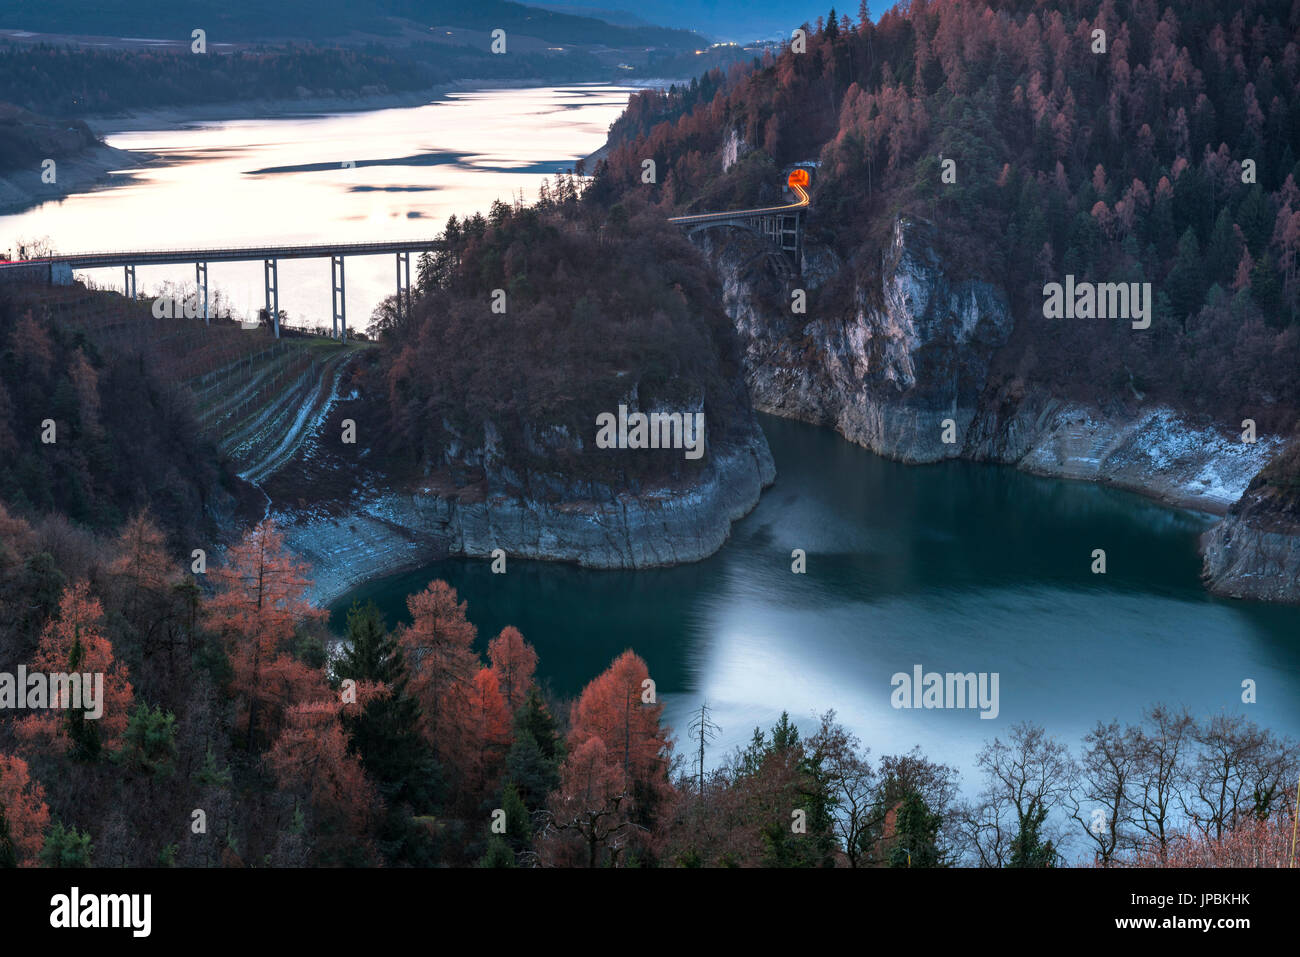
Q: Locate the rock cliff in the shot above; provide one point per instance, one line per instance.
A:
(916, 353)
(384, 530)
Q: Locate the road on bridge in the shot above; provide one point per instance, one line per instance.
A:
(697, 218)
(798, 181)
(157, 257)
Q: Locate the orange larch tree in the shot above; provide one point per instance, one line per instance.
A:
(141, 563)
(73, 642)
(514, 661)
(311, 757)
(23, 813)
(143, 574)
(478, 749)
(439, 649)
(612, 708)
(260, 601)
(590, 815)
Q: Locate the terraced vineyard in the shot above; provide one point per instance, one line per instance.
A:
(261, 407)
(256, 397)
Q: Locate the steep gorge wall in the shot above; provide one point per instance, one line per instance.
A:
(384, 530)
(912, 356)
(916, 352)
(1253, 553)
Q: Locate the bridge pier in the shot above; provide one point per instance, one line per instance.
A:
(403, 291)
(271, 279)
(782, 226)
(129, 261)
(201, 285)
(338, 299)
(790, 239)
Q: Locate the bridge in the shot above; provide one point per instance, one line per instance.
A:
(780, 225)
(270, 257)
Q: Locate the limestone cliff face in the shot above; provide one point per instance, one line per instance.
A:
(1254, 552)
(1153, 450)
(384, 530)
(915, 352)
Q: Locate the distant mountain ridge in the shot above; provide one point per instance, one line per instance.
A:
(245, 20)
(720, 19)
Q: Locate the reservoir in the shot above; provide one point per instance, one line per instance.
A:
(955, 567)
(369, 176)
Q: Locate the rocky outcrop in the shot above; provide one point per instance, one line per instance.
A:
(1154, 451)
(916, 352)
(386, 531)
(1255, 551)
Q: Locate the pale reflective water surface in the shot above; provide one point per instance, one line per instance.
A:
(956, 567)
(284, 180)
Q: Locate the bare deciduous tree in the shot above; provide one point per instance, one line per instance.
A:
(1101, 800)
(1239, 772)
(1163, 744)
(1025, 780)
(850, 780)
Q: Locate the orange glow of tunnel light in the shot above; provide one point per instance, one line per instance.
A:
(798, 177)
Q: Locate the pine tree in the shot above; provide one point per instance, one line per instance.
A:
(426, 278)
(8, 858)
(1028, 849)
(83, 734)
(66, 847)
(533, 761)
(783, 773)
(534, 719)
(370, 654)
(519, 820)
(917, 834)
(498, 854)
(1186, 281)
(1221, 254)
(386, 733)
(150, 740)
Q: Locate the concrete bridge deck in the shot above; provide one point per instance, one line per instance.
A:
(782, 224)
(129, 260)
(228, 254)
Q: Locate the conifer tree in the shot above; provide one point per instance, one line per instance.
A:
(917, 834)
(1028, 849)
(385, 733)
(7, 856)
